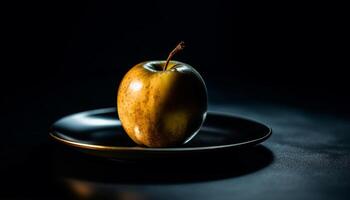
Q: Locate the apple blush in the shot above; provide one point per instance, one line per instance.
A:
(162, 103)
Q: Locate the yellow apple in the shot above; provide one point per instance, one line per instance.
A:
(162, 107)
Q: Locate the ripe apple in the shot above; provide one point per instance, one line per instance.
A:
(162, 103)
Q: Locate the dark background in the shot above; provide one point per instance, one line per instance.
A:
(63, 57)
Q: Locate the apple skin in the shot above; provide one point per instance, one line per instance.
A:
(162, 108)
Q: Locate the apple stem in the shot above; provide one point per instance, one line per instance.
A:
(178, 48)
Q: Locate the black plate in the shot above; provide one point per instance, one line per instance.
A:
(100, 133)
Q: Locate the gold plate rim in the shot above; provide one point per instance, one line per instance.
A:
(171, 149)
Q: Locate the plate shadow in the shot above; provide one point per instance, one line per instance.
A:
(69, 164)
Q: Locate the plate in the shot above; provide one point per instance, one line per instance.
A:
(99, 133)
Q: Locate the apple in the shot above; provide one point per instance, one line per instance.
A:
(162, 103)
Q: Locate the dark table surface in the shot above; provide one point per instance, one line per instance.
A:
(307, 157)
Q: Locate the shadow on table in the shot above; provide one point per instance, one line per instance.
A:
(77, 166)
(84, 177)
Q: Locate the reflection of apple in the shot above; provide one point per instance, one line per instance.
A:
(162, 103)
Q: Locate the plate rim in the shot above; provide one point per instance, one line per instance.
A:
(54, 134)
